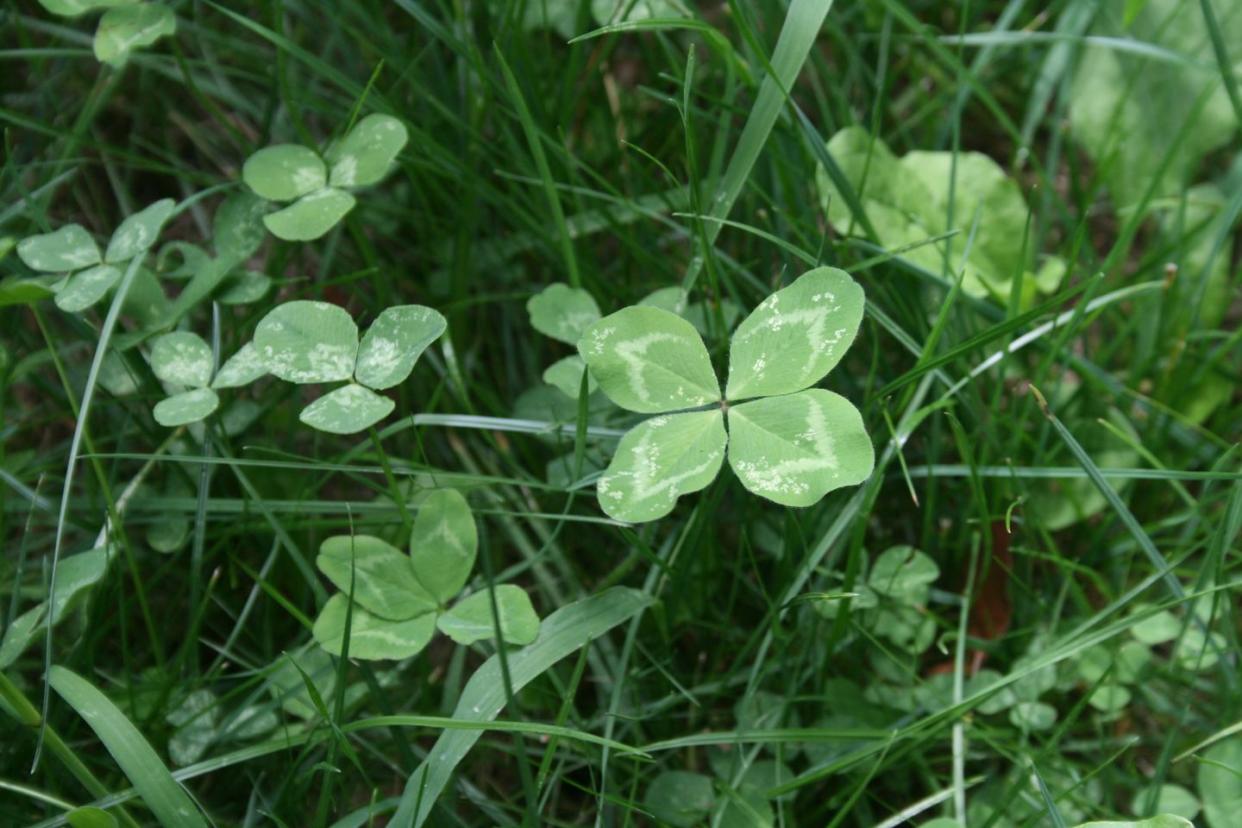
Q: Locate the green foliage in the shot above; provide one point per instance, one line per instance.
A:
(125, 25)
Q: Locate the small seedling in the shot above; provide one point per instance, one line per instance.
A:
(787, 442)
(401, 600)
(319, 186)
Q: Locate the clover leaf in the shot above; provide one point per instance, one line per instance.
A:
(183, 360)
(318, 185)
(313, 342)
(88, 274)
(400, 600)
(787, 442)
(124, 26)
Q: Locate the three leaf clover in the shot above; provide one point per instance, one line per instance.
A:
(401, 600)
(183, 361)
(88, 275)
(125, 26)
(312, 342)
(319, 186)
(787, 442)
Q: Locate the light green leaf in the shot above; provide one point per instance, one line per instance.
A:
(84, 289)
(618, 11)
(562, 312)
(680, 798)
(284, 172)
(566, 375)
(73, 8)
(366, 154)
(1161, 821)
(125, 28)
(311, 216)
(383, 576)
(168, 801)
(672, 299)
(745, 808)
(116, 375)
(1198, 651)
(288, 688)
(796, 336)
(559, 15)
(471, 620)
(347, 410)
(61, 251)
(1109, 698)
(18, 291)
(19, 634)
(443, 543)
(1170, 799)
(242, 368)
(660, 460)
(88, 816)
(307, 342)
(138, 232)
(243, 287)
(484, 695)
(394, 342)
(186, 407)
(796, 448)
(195, 720)
(1032, 715)
(183, 358)
(649, 360)
(1157, 628)
(237, 229)
(370, 637)
(903, 574)
(182, 260)
(168, 535)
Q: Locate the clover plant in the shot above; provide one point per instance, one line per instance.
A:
(315, 342)
(124, 26)
(319, 186)
(787, 442)
(400, 600)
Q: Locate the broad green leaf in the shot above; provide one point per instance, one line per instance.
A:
(1169, 799)
(186, 407)
(562, 312)
(18, 291)
(1156, 628)
(146, 301)
(311, 216)
(796, 336)
(903, 574)
(138, 232)
(125, 28)
(383, 576)
(1032, 716)
(237, 229)
(370, 637)
(182, 260)
(672, 299)
(906, 626)
(88, 816)
(116, 375)
(243, 287)
(169, 534)
(288, 688)
(561, 16)
(443, 543)
(394, 342)
(566, 375)
(242, 368)
(61, 251)
(83, 290)
(307, 342)
(618, 11)
(1109, 698)
(471, 620)
(183, 358)
(481, 700)
(168, 801)
(19, 634)
(1161, 821)
(745, 808)
(283, 172)
(195, 720)
(658, 461)
(347, 410)
(1197, 651)
(366, 154)
(73, 8)
(680, 798)
(75, 575)
(796, 448)
(650, 361)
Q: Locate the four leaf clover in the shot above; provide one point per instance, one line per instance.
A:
(401, 600)
(786, 441)
(125, 26)
(312, 342)
(319, 186)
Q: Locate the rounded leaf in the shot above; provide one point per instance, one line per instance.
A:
(311, 216)
(562, 312)
(672, 299)
(61, 251)
(125, 28)
(649, 360)
(796, 336)
(237, 229)
(1169, 799)
(795, 449)
(1220, 783)
(183, 358)
(306, 342)
(371, 638)
(680, 798)
(72, 8)
(383, 577)
(187, 407)
(242, 368)
(347, 410)
(366, 154)
(566, 375)
(394, 342)
(660, 460)
(83, 290)
(903, 574)
(283, 172)
(138, 232)
(19, 291)
(472, 620)
(443, 543)
(243, 287)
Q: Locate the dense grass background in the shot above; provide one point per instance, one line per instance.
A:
(636, 131)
